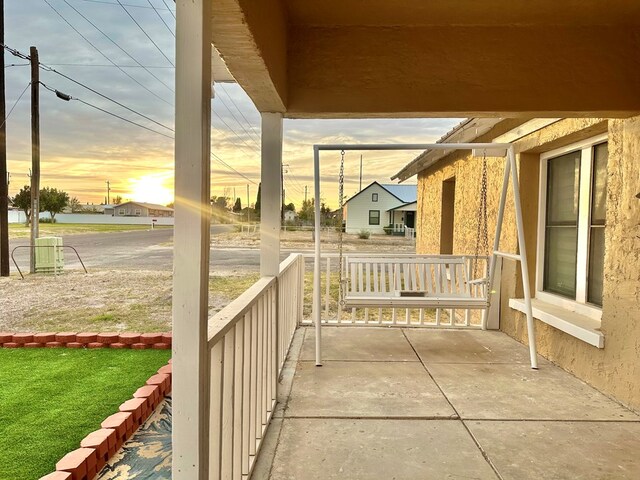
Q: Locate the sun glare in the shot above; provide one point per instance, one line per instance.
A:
(151, 189)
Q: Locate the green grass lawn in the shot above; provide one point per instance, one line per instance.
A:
(19, 230)
(51, 398)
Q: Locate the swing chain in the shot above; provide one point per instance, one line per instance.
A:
(482, 235)
(341, 281)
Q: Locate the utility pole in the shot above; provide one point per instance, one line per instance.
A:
(108, 192)
(305, 194)
(248, 206)
(35, 154)
(4, 174)
(360, 173)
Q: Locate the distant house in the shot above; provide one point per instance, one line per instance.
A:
(141, 209)
(290, 216)
(378, 206)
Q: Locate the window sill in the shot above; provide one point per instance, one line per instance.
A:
(572, 323)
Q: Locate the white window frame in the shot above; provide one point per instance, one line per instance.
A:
(137, 212)
(122, 212)
(374, 197)
(579, 305)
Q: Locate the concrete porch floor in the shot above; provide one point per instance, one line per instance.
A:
(422, 404)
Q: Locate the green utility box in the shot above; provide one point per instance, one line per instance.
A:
(49, 255)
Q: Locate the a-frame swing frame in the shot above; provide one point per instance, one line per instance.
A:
(510, 172)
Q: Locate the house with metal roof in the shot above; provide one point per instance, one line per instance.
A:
(378, 206)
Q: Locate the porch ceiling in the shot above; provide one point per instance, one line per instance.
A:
(356, 58)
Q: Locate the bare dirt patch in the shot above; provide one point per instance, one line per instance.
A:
(106, 300)
(303, 240)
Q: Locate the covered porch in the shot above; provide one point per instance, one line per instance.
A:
(413, 403)
(444, 404)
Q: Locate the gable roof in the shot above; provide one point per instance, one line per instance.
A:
(152, 206)
(404, 193)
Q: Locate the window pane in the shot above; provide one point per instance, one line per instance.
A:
(599, 184)
(560, 258)
(563, 188)
(596, 265)
(374, 217)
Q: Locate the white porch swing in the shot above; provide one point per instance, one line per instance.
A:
(426, 281)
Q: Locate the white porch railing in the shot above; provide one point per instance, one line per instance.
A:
(248, 343)
(334, 314)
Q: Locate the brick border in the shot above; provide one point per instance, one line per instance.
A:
(99, 446)
(136, 341)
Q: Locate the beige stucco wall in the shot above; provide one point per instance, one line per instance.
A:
(615, 370)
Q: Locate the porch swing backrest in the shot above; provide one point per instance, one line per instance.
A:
(422, 281)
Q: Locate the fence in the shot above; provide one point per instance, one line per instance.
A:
(248, 344)
(333, 313)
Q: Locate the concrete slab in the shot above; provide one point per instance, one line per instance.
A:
(326, 449)
(355, 343)
(366, 389)
(504, 392)
(262, 467)
(561, 450)
(467, 346)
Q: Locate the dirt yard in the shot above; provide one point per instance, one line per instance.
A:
(303, 240)
(107, 300)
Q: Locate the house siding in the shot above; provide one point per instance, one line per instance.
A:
(615, 369)
(358, 210)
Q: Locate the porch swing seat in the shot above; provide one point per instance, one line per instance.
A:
(420, 281)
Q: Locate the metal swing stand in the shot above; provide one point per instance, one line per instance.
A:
(510, 172)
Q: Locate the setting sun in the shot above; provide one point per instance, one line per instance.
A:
(152, 189)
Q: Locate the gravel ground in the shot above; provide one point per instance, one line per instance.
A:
(106, 300)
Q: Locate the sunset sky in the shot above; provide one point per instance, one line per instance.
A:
(82, 148)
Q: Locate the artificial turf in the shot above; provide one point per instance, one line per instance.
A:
(50, 399)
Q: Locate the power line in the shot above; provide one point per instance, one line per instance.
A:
(161, 19)
(66, 97)
(127, 4)
(170, 10)
(145, 32)
(14, 105)
(216, 157)
(239, 110)
(101, 53)
(101, 65)
(77, 82)
(238, 121)
(118, 46)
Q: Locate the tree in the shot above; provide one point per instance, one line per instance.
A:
(219, 202)
(53, 201)
(237, 207)
(22, 200)
(117, 200)
(291, 207)
(307, 212)
(257, 205)
(75, 205)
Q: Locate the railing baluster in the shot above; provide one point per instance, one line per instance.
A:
(238, 373)
(228, 388)
(215, 412)
(246, 396)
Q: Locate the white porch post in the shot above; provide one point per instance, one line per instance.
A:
(271, 194)
(191, 240)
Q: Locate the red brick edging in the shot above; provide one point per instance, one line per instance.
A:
(99, 446)
(137, 341)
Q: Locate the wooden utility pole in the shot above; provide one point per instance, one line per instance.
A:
(248, 211)
(305, 194)
(4, 176)
(360, 173)
(35, 154)
(108, 192)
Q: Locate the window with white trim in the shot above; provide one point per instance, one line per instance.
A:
(374, 197)
(374, 217)
(122, 212)
(572, 223)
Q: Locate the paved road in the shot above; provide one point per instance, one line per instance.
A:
(142, 249)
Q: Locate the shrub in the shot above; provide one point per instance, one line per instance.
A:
(364, 234)
(48, 220)
(388, 230)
